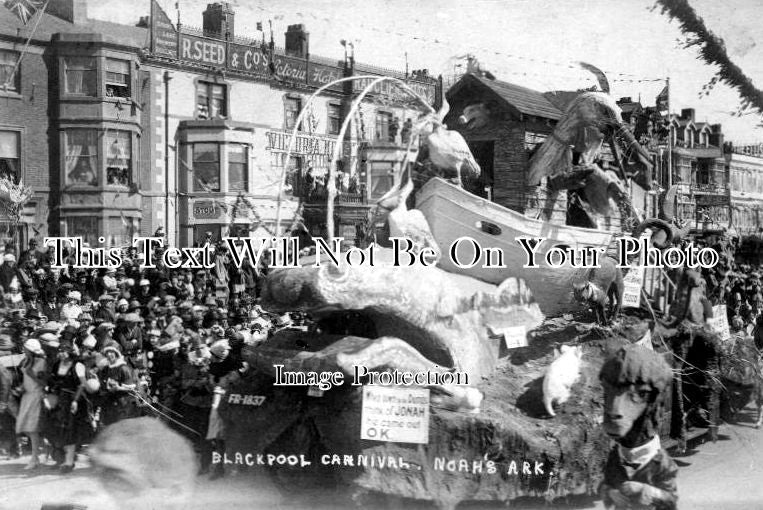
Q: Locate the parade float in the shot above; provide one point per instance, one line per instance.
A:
(485, 438)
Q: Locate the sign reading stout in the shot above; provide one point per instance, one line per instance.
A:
(205, 210)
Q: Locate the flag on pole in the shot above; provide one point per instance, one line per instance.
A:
(259, 26)
(662, 100)
(24, 9)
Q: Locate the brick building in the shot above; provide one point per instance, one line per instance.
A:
(73, 119)
(121, 129)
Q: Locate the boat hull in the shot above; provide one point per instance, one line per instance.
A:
(453, 213)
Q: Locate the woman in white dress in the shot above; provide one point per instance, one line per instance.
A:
(34, 370)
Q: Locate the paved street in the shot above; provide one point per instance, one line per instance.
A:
(725, 475)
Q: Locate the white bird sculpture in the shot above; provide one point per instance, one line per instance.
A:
(447, 149)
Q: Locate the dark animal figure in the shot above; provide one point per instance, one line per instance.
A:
(742, 376)
(603, 289)
(639, 473)
(690, 303)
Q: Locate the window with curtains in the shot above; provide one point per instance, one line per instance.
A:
(292, 107)
(117, 78)
(119, 158)
(237, 167)
(211, 100)
(8, 61)
(10, 155)
(81, 76)
(206, 167)
(81, 157)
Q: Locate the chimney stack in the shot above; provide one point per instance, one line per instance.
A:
(73, 11)
(297, 41)
(687, 114)
(218, 20)
(716, 135)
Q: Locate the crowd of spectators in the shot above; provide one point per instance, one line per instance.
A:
(84, 348)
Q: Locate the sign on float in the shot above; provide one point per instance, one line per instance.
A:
(395, 414)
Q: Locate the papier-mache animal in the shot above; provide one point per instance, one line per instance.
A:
(601, 286)
(638, 473)
(561, 375)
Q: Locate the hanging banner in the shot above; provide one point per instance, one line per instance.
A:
(720, 322)
(164, 38)
(395, 414)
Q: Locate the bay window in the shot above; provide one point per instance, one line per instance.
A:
(237, 167)
(211, 100)
(117, 78)
(10, 155)
(81, 75)
(206, 167)
(8, 61)
(81, 157)
(119, 159)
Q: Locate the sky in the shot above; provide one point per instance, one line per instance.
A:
(534, 43)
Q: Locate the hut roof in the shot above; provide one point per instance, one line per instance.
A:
(526, 101)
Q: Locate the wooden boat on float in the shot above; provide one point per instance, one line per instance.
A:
(453, 212)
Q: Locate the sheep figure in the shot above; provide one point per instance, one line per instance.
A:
(639, 473)
(599, 287)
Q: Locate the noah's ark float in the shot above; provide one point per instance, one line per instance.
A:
(488, 439)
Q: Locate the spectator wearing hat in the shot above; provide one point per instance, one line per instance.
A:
(117, 384)
(85, 323)
(8, 411)
(50, 308)
(13, 300)
(129, 334)
(196, 401)
(68, 425)
(7, 347)
(8, 271)
(32, 389)
(30, 255)
(222, 367)
(144, 291)
(103, 334)
(106, 311)
(71, 311)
